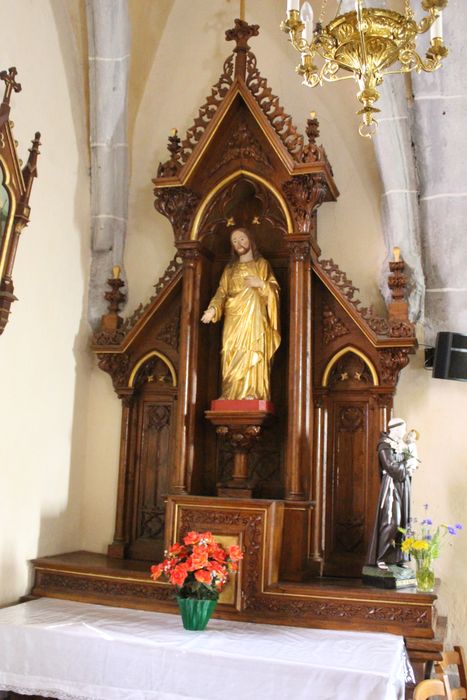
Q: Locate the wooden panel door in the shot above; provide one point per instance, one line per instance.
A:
(153, 460)
(347, 486)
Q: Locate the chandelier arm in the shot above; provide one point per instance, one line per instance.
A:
(337, 79)
(412, 60)
(325, 47)
(401, 71)
(427, 21)
(299, 44)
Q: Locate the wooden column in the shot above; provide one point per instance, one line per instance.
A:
(187, 374)
(299, 248)
(124, 492)
(318, 478)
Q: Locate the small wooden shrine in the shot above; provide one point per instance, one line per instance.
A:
(313, 470)
(15, 190)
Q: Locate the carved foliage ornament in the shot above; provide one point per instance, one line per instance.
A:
(339, 610)
(351, 419)
(392, 361)
(170, 331)
(305, 193)
(117, 365)
(178, 205)
(299, 250)
(89, 586)
(242, 145)
(333, 327)
(240, 437)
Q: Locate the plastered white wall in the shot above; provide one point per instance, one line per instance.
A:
(43, 356)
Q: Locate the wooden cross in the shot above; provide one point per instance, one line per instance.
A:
(8, 78)
(240, 34)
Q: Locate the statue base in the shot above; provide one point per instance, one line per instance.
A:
(393, 577)
(244, 405)
(233, 489)
(239, 423)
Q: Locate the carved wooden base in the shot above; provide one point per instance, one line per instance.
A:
(241, 428)
(260, 596)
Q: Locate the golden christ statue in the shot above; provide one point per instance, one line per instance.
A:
(248, 296)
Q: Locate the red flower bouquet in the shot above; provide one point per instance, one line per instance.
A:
(199, 568)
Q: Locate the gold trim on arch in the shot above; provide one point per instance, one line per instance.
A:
(223, 183)
(153, 353)
(11, 214)
(355, 351)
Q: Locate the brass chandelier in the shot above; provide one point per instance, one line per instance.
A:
(368, 43)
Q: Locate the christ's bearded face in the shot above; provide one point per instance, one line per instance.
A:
(240, 242)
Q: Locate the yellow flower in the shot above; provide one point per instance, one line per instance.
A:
(406, 544)
(420, 545)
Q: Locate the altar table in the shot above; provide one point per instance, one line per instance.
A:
(71, 650)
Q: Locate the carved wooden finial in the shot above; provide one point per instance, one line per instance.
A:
(30, 169)
(174, 144)
(397, 283)
(173, 165)
(312, 128)
(111, 321)
(8, 78)
(240, 34)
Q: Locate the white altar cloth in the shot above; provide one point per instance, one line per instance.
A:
(74, 650)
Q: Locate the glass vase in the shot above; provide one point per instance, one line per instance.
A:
(425, 575)
(195, 613)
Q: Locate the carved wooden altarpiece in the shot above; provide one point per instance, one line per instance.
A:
(306, 528)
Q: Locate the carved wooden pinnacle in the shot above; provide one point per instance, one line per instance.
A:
(174, 144)
(240, 33)
(111, 321)
(397, 281)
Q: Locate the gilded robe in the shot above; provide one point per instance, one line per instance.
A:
(251, 329)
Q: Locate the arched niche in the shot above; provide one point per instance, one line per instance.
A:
(352, 366)
(351, 413)
(244, 200)
(153, 381)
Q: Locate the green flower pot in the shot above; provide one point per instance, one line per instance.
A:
(195, 613)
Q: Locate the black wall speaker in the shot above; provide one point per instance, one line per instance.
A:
(450, 356)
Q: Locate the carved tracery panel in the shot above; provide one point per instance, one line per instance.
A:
(154, 444)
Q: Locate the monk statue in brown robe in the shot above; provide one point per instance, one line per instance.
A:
(248, 298)
(397, 463)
